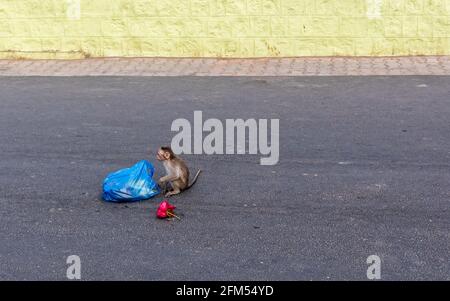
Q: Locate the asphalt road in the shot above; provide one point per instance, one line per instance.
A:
(364, 170)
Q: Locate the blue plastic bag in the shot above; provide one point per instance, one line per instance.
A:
(131, 184)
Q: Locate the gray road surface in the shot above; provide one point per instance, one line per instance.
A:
(364, 169)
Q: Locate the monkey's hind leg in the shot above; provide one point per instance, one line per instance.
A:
(175, 189)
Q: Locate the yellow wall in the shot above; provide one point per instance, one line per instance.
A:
(222, 28)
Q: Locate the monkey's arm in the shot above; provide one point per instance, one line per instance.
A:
(168, 178)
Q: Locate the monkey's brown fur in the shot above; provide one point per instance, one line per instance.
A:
(177, 171)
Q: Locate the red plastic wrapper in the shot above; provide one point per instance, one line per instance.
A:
(165, 210)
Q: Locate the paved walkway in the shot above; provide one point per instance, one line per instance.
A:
(418, 65)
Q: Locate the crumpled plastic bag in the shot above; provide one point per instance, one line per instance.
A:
(131, 184)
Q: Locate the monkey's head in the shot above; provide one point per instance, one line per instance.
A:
(164, 153)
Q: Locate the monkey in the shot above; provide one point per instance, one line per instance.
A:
(177, 171)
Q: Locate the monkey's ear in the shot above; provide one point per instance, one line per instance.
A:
(167, 155)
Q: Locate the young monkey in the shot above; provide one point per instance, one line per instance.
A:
(177, 171)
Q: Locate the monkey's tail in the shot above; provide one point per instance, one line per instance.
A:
(194, 179)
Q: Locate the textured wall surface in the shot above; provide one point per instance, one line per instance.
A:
(222, 28)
